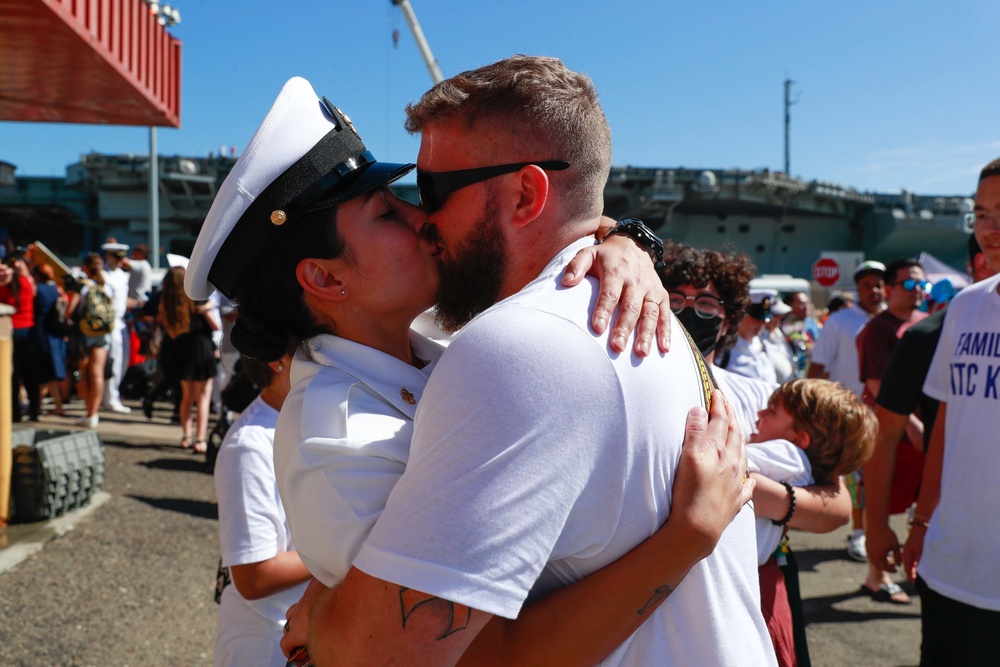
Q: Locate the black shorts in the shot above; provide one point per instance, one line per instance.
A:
(955, 633)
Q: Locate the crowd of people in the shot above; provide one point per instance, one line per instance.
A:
(76, 338)
(534, 480)
(488, 502)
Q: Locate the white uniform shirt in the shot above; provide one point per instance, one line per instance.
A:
(780, 353)
(962, 543)
(781, 461)
(116, 285)
(749, 358)
(342, 442)
(252, 528)
(140, 279)
(536, 447)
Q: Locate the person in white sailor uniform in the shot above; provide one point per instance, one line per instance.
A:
(748, 356)
(117, 286)
(312, 246)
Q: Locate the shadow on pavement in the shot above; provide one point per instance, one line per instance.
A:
(197, 508)
(809, 558)
(142, 445)
(822, 609)
(194, 464)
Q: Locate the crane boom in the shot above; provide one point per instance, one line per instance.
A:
(418, 36)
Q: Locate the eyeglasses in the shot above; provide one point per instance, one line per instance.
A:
(910, 284)
(434, 187)
(705, 306)
(981, 216)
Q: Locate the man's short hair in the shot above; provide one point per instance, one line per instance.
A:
(542, 110)
(729, 270)
(842, 430)
(992, 169)
(892, 269)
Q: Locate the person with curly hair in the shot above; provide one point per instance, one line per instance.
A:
(710, 295)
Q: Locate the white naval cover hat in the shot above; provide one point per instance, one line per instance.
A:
(778, 307)
(760, 303)
(174, 261)
(115, 249)
(305, 156)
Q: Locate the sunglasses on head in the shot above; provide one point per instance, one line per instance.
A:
(910, 284)
(435, 186)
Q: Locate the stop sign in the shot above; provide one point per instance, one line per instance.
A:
(826, 271)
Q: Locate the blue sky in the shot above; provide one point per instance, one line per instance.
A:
(889, 94)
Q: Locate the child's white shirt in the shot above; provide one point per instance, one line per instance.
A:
(781, 461)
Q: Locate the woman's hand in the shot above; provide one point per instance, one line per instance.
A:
(299, 618)
(711, 485)
(629, 282)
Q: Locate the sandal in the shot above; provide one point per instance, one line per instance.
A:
(200, 447)
(887, 592)
(185, 442)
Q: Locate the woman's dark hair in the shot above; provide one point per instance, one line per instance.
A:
(729, 270)
(93, 266)
(176, 307)
(257, 371)
(271, 310)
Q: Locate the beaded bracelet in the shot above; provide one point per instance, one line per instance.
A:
(791, 506)
(919, 522)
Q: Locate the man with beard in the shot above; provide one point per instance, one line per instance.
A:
(538, 456)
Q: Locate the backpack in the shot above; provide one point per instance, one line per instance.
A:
(98, 314)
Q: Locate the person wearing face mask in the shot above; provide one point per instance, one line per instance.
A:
(709, 290)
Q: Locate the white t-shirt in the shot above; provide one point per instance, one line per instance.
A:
(140, 279)
(749, 358)
(252, 528)
(539, 457)
(837, 349)
(962, 544)
(342, 442)
(116, 285)
(780, 353)
(747, 395)
(781, 461)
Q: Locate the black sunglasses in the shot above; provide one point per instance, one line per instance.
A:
(435, 186)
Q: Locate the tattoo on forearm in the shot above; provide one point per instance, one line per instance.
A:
(454, 616)
(658, 596)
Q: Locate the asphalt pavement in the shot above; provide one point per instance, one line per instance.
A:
(129, 580)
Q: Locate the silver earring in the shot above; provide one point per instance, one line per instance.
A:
(280, 367)
(343, 292)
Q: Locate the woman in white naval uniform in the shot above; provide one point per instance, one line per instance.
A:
(312, 246)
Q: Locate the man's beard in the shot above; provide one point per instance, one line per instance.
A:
(472, 279)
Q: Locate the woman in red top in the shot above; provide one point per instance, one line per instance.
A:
(17, 289)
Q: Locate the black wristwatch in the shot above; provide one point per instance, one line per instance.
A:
(637, 230)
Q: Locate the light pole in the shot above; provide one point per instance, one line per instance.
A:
(167, 17)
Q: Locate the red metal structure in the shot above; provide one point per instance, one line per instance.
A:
(87, 61)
